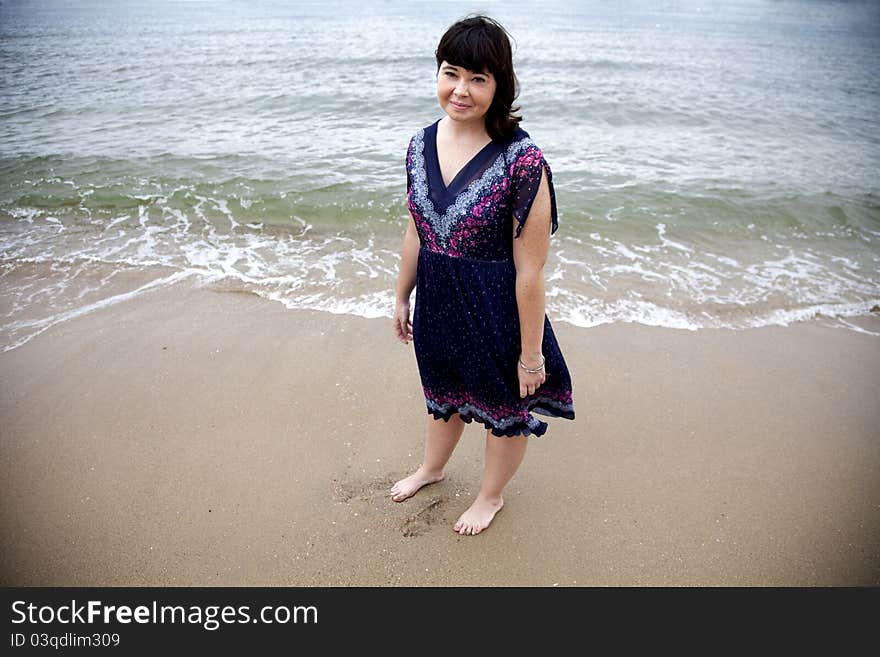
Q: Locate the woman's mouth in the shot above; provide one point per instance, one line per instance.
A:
(458, 105)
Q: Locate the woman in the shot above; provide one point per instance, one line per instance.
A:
(482, 207)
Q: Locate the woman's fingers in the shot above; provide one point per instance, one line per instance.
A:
(530, 388)
(402, 329)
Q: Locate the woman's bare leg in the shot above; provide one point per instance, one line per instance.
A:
(440, 441)
(503, 456)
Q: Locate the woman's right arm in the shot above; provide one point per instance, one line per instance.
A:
(406, 282)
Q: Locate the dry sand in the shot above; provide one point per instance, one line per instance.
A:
(196, 437)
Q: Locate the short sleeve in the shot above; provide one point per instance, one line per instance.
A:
(526, 179)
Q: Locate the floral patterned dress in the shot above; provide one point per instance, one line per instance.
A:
(466, 332)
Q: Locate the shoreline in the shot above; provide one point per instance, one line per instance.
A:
(198, 437)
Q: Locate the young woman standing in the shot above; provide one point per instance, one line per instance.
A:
(482, 207)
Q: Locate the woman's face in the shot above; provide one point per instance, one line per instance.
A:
(463, 94)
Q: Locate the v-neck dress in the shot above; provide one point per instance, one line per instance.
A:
(466, 329)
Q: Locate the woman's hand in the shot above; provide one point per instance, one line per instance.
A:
(530, 382)
(400, 322)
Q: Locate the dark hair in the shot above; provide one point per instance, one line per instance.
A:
(479, 44)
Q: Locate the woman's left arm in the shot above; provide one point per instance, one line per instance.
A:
(529, 256)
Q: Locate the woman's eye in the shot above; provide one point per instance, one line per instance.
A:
(450, 74)
(479, 80)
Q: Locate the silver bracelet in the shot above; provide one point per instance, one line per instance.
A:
(537, 369)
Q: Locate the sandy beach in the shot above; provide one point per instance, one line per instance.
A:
(197, 437)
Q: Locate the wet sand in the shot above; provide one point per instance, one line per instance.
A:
(196, 437)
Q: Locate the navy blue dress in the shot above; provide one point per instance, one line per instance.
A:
(465, 323)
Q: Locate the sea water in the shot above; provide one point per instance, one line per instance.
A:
(715, 163)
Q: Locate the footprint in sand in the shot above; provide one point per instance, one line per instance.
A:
(428, 516)
(347, 490)
(429, 513)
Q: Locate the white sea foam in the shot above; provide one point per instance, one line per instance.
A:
(326, 276)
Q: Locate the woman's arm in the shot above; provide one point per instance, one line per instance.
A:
(406, 281)
(529, 256)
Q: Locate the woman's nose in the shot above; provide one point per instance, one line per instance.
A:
(461, 87)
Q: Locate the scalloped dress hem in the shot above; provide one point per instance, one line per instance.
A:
(534, 426)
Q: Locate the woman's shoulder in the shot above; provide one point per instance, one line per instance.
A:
(426, 129)
(418, 137)
(520, 143)
(518, 135)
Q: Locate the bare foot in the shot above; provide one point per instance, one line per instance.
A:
(407, 487)
(478, 516)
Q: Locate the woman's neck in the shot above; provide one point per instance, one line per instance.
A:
(464, 131)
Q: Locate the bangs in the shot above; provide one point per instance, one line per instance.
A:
(473, 49)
